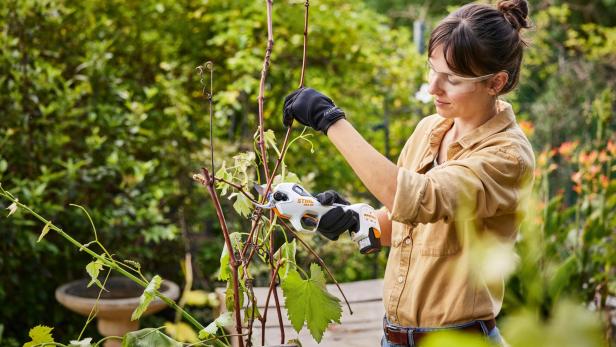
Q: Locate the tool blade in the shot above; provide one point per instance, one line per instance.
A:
(260, 188)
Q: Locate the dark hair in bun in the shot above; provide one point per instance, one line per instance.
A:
(480, 39)
(515, 12)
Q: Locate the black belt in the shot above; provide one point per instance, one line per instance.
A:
(401, 335)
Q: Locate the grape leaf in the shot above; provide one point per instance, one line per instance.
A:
(148, 337)
(242, 204)
(39, 335)
(229, 299)
(93, 269)
(286, 251)
(225, 271)
(270, 140)
(308, 301)
(224, 320)
(148, 295)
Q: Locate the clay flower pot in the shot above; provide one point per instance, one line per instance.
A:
(115, 307)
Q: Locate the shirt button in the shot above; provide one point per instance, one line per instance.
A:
(407, 241)
(400, 279)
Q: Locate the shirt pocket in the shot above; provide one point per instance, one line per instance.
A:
(437, 239)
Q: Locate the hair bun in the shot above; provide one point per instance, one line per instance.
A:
(515, 12)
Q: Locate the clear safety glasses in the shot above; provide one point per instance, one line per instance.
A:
(454, 84)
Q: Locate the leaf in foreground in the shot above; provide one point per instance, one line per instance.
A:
(148, 295)
(308, 301)
(94, 268)
(148, 337)
(87, 342)
(181, 332)
(39, 335)
(224, 320)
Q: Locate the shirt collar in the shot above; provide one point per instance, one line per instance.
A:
(500, 121)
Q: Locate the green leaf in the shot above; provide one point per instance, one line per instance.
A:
(286, 251)
(248, 312)
(196, 297)
(242, 204)
(93, 269)
(307, 301)
(87, 342)
(44, 232)
(270, 140)
(224, 320)
(224, 174)
(181, 332)
(562, 276)
(148, 337)
(229, 299)
(39, 335)
(148, 295)
(224, 273)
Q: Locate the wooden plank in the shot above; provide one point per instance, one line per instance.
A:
(361, 329)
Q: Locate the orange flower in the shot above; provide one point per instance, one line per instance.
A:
(611, 147)
(603, 157)
(527, 127)
(567, 148)
(587, 159)
(577, 177)
(544, 157)
(577, 188)
(604, 181)
(594, 170)
(552, 167)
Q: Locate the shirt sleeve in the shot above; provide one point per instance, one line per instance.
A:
(483, 185)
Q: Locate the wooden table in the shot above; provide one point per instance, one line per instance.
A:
(361, 329)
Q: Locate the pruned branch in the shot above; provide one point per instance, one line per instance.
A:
(208, 181)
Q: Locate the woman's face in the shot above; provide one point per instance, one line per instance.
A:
(456, 97)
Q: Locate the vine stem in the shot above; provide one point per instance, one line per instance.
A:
(304, 60)
(209, 183)
(269, 292)
(270, 178)
(266, 64)
(236, 186)
(321, 262)
(107, 262)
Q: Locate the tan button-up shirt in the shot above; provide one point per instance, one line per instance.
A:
(430, 280)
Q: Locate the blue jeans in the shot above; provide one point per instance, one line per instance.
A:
(493, 335)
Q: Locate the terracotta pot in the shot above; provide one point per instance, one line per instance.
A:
(115, 307)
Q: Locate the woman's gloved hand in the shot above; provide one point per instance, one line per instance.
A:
(311, 108)
(337, 220)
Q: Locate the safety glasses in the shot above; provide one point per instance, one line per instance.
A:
(454, 84)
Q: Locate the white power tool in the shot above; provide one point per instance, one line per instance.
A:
(291, 201)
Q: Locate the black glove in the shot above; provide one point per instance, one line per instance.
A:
(311, 108)
(336, 221)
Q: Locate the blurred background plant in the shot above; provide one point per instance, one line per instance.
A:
(100, 106)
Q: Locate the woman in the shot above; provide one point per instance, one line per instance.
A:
(470, 157)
